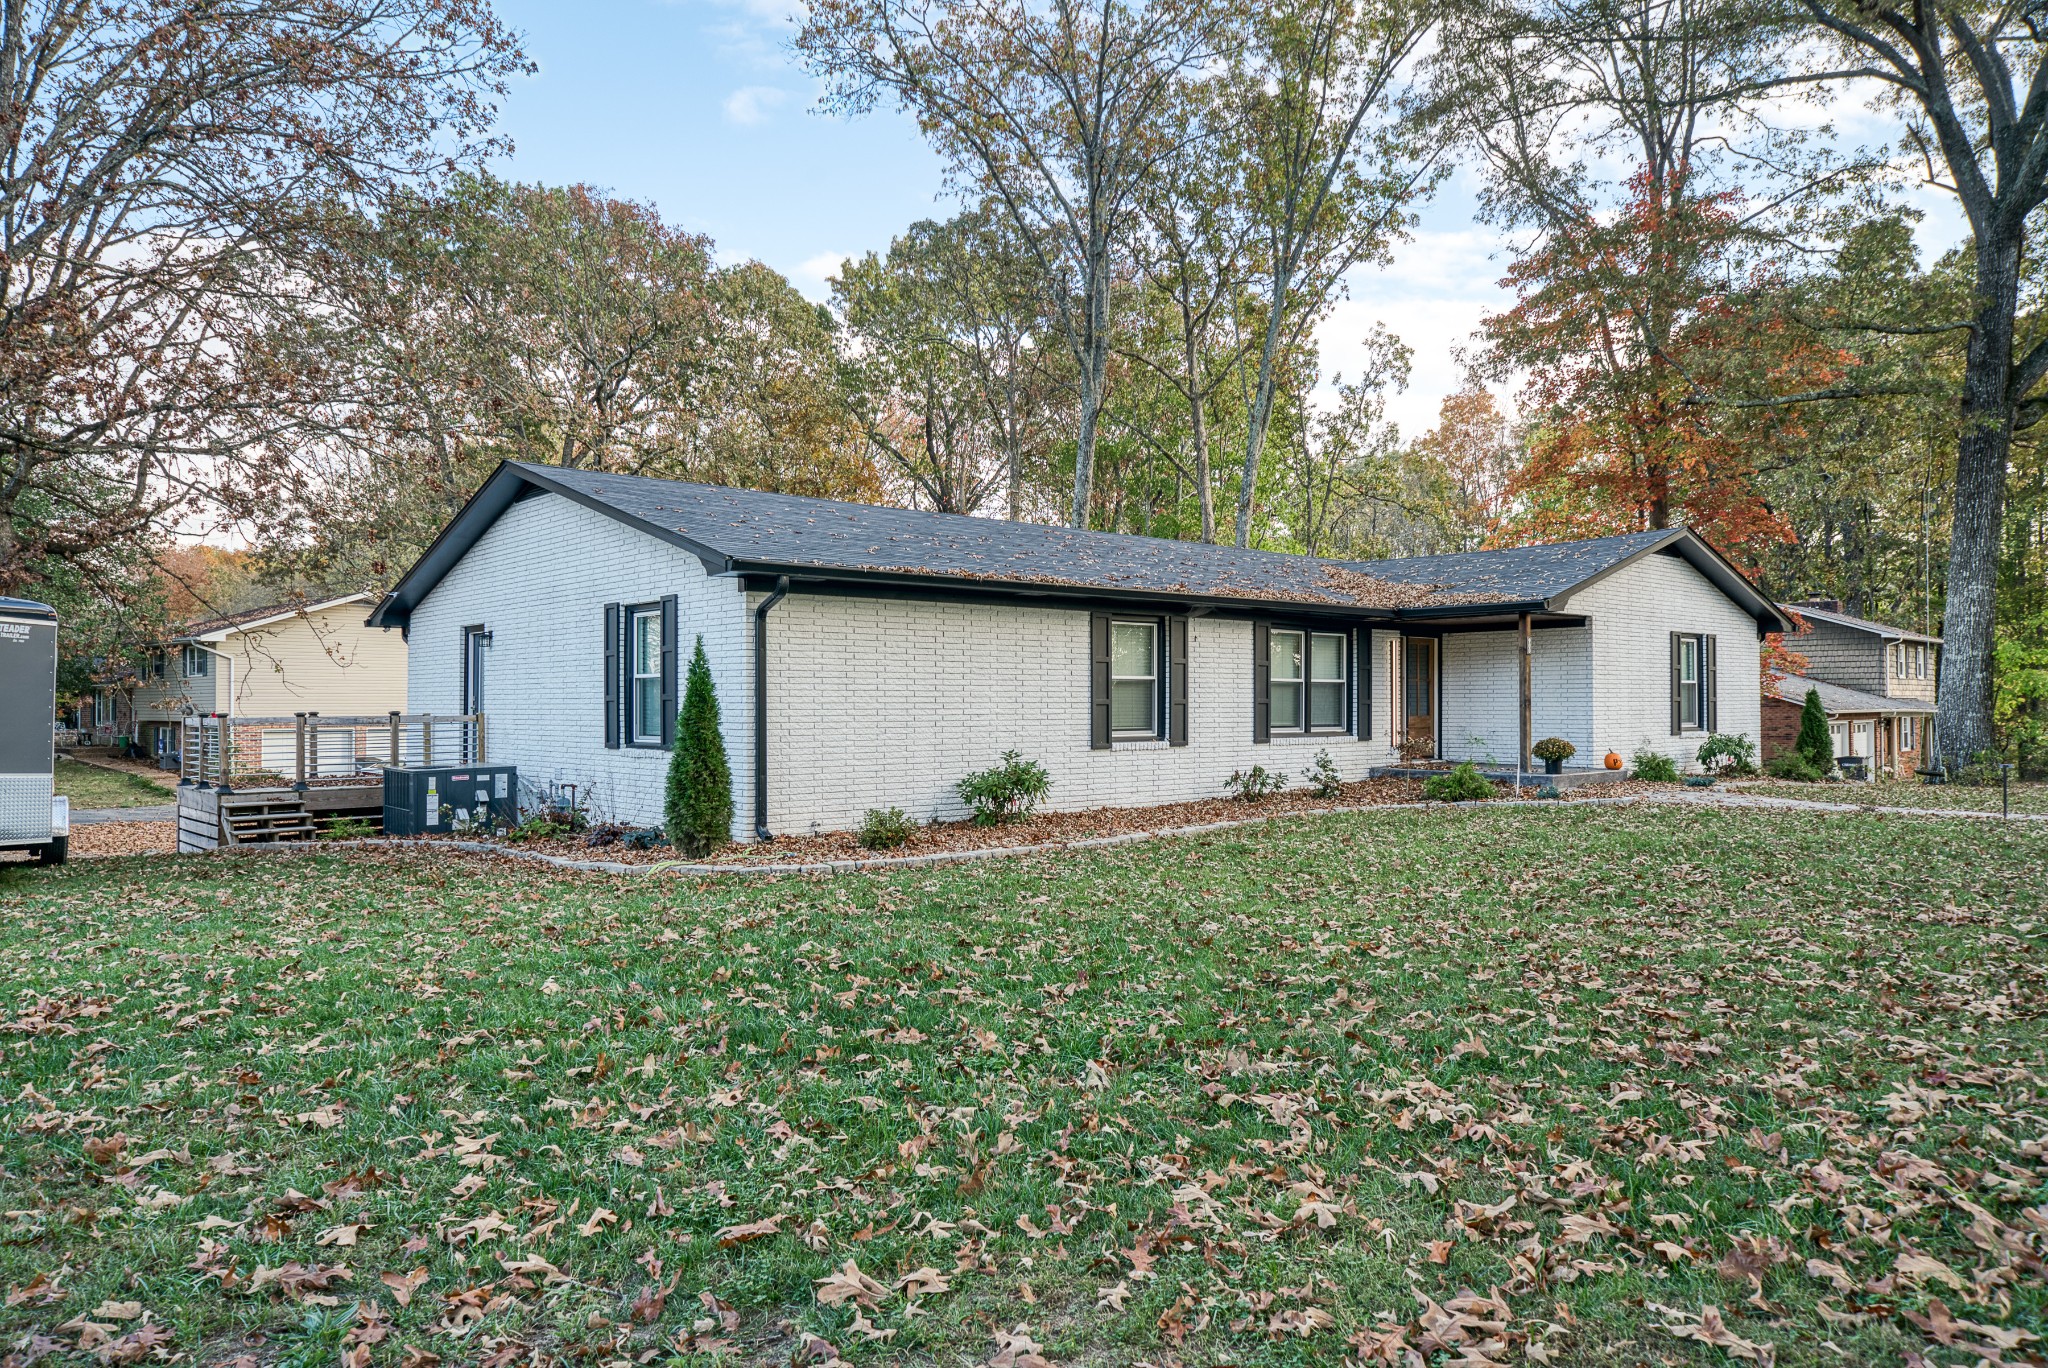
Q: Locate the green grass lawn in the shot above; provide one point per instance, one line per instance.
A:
(1909, 793)
(89, 786)
(1577, 1085)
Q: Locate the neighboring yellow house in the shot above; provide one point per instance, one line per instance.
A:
(266, 662)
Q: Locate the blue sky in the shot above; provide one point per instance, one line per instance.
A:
(695, 107)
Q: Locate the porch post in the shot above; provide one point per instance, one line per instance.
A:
(1528, 725)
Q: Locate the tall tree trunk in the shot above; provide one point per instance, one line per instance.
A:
(1198, 427)
(1963, 708)
(1094, 378)
(1262, 404)
(1013, 437)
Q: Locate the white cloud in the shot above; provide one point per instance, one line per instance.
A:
(1433, 295)
(750, 106)
(811, 274)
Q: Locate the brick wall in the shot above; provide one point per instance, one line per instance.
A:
(1482, 718)
(1781, 727)
(539, 580)
(889, 702)
(1633, 613)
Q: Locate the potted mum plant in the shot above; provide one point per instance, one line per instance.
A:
(1553, 751)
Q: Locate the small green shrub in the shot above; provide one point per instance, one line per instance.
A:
(1793, 766)
(1465, 784)
(1324, 779)
(1979, 771)
(1007, 792)
(698, 810)
(539, 826)
(1658, 769)
(1553, 748)
(1699, 781)
(1815, 741)
(348, 829)
(1549, 791)
(1728, 756)
(1248, 786)
(884, 828)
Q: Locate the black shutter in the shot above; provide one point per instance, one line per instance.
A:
(668, 670)
(1710, 689)
(1361, 681)
(1177, 678)
(1677, 693)
(611, 676)
(1098, 681)
(1360, 699)
(1262, 681)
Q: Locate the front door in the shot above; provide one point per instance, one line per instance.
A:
(1418, 683)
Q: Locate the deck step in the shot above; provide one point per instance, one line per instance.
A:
(264, 819)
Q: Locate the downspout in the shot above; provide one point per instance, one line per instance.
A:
(761, 831)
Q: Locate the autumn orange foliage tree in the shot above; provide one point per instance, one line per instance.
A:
(1643, 336)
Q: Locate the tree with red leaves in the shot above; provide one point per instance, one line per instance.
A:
(1633, 329)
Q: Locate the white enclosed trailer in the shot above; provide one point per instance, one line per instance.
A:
(32, 816)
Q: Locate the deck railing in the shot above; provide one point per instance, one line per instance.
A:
(311, 748)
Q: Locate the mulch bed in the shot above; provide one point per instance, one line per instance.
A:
(1044, 829)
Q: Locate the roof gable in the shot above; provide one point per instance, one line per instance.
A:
(756, 532)
(1857, 624)
(250, 619)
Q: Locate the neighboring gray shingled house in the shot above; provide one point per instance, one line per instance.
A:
(869, 657)
(1876, 681)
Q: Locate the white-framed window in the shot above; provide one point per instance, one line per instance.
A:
(1906, 733)
(1308, 675)
(1898, 654)
(1328, 673)
(643, 659)
(1923, 654)
(1134, 678)
(1283, 689)
(1689, 692)
(196, 662)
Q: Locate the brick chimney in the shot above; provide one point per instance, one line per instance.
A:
(1825, 605)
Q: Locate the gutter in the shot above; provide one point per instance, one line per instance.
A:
(761, 831)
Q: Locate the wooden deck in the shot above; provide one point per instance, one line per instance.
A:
(209, 818)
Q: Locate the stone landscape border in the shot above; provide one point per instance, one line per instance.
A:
(882, 863)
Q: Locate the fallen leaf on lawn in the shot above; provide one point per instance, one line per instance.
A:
(117, 1310)
(923, 1282)
(342, 1235)
(403, 1285)
(850, 1284)
(599, 1219)
(533, 1265)
(1921, 1267)
(1016, 1349)
(326, 1118)
(753, 1230)
(1831, 1273)
(1710, 1328)
(867, 1330)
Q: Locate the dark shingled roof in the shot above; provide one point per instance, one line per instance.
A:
(1808, 610)
(1521, 572)
(1837, 699)
(753, 532)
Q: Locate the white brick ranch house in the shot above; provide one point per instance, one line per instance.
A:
(869, 657)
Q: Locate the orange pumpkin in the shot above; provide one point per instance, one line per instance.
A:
(1613, 760)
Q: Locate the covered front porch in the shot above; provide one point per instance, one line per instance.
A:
(1485, 689)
